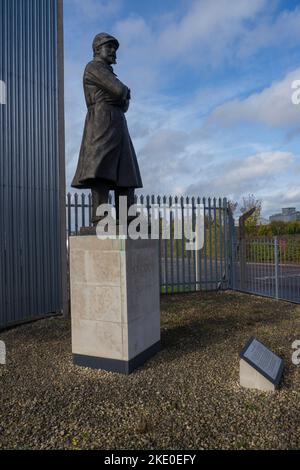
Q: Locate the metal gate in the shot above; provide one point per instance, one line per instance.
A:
(268, 267)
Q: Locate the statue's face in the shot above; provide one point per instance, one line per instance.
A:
(107, 53)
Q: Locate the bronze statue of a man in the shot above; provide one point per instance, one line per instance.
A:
(107, 158)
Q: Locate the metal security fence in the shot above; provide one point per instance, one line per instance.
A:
(268, 266)
(181, 270)
(262, 266)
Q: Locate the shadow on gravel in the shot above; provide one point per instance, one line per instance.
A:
(213, 327)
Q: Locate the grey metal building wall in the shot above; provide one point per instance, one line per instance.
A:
(32, 250)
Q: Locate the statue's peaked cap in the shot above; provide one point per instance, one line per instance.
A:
(103, 38)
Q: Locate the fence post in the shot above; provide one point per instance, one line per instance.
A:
(232, 260)
(276, 260)
(243, 264)
(69, 214)
(198, 255)
(243, 250)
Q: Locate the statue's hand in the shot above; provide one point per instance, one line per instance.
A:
(125, 106)
(112, 101)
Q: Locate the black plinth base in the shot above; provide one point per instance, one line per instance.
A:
(115, 365)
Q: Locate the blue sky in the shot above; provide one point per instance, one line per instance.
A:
(211, 111)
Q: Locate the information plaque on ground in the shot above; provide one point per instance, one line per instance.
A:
(263, 360)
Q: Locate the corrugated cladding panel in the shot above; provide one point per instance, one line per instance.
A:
(30, 244)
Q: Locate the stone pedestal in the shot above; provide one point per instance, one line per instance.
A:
(115, 302)
(251, 378)
(2, 353)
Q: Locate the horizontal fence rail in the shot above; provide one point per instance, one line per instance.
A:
(181, 270)
(268, 266)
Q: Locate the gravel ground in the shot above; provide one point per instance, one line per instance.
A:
(186, 397)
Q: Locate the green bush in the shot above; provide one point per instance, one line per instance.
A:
(293, 228)
(275, 228)
(265, 231)
(278, 227)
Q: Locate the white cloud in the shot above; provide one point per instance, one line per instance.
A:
(208, 29)
(273, 201)
(283, 31)
(272, 106)
(292, 195)
(205, 36)
(248, 175)
(94, 9)
(260, 166)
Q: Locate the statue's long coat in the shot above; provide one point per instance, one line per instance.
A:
(106, 150)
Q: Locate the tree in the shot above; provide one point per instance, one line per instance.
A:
(293, 227)
(232, 205)
(248, 203)
(278, 227)
(265, 231)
